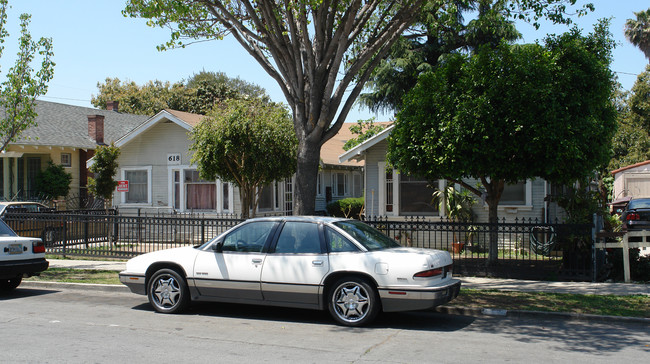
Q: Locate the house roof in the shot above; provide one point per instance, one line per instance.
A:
(356, 153)
(63, 125)
(614, 172)
(331, 150)
(187, 117)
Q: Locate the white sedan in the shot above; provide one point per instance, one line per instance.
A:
(341, 265)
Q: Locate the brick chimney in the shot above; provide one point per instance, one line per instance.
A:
(96, 128)
(113, 106)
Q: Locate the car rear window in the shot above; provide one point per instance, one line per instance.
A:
(5, 230)
(369, 237)
(639, 204)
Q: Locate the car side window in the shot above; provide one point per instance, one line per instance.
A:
(248, 238)
(338, 243)
(299, 237)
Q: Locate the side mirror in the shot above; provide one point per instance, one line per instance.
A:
(218, 247)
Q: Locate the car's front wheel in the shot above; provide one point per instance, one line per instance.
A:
(9, 284)
(353, 302)
(168, 292)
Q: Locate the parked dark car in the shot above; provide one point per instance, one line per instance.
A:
(48, 231)
(636, 215)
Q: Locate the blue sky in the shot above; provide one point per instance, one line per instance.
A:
(92, 41)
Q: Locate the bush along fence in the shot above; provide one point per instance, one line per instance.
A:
(527, 249)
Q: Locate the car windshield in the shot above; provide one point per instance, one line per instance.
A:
(5, 230)
(639, 204)
(369, 237)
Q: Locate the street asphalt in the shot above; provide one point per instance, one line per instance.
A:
(618, 289)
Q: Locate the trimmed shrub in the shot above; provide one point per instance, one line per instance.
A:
(53, 181)
(347, 207)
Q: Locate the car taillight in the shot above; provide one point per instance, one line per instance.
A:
(632, 216)
(38, 247)
(433, 272)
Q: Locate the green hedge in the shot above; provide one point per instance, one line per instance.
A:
(347, 207)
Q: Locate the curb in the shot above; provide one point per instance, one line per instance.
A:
(77, 286)
(491, 312)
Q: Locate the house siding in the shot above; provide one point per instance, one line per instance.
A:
(376, 155)
(151, 149)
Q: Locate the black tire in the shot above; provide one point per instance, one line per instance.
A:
(168, 292)
(9, 284)
(353, 301)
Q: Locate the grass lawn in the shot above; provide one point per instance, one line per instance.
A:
(632, 306)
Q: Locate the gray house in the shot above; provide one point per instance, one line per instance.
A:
(156, 161)
(65, 134)
(392, 194)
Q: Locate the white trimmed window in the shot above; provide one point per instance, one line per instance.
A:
(517, 194)
(66, 159)
(416, 196)
(340, 184)
(139, 179)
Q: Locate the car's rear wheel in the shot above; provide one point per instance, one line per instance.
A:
(168, 292)
(9, 284)
(353, 302)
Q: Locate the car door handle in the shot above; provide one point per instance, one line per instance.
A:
(317, 262)
(257, 261)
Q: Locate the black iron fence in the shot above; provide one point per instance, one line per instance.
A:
(105, 234)
(525, 249)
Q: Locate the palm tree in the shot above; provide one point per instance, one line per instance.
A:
(638, 31)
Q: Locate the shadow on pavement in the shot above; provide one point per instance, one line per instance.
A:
(421, 320)
(24, 292)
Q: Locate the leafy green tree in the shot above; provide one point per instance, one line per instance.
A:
(639, 99)
(631, 143)
(250, 143)
(53, 181)
(23, 84)
(220, 79)
(365, 129)
(104, 168)
(321, 53)
(147, 99)
(638, 31)
(199, 95)
(509, 114)
(438, 31)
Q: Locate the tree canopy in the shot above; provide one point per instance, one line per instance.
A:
(198, 95)
(637, 31)
(321, 53)
(511, 113)
(438, 31)
(631, 143)
(250, 143)
(23, 83)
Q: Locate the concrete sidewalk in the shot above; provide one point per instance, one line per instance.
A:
(619, 289)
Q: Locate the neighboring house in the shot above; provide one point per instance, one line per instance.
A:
(66, 135)
(389, 193)
(156, 161)
(632, 181)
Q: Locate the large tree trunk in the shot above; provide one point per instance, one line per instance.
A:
(306, 176)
